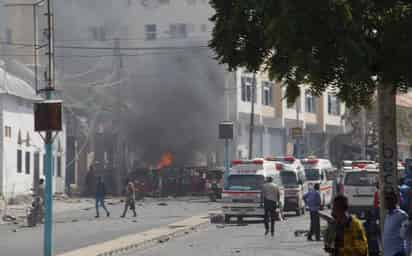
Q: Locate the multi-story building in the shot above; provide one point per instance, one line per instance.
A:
(319, 117)
(22, 152)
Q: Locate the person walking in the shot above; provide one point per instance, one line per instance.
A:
(100, 196)
(312, 200)
(271, 199)
(130, 200)
(349, 236)
(41, 194)
(373, 234)
(393, 244)
(406, 234)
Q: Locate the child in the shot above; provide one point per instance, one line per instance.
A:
(373, 234)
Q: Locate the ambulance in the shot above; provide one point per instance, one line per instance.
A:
(241, 196)
(293, 179)
(318, 172)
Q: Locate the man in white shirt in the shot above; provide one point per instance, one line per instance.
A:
(393, 243)
(271, 199)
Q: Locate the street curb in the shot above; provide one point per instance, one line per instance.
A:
(142, 239)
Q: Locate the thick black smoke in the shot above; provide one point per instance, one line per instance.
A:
(177, 109)
(174, 98)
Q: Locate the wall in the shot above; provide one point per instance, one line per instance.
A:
(18, 114)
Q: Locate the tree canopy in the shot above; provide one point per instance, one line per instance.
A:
(352, 46)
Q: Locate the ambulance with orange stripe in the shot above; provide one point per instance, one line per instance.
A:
(318, 172)
(241, 196)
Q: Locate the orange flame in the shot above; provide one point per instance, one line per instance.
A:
(165, 161)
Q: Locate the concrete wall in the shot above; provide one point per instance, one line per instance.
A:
(17, 113)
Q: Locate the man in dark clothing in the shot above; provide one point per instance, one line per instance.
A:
(271, 199)
(313, 201)
(100, 195)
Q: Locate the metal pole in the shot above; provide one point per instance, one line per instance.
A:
(363, 132)
(226, 161)
(388, 150)
(297, 141)
(35, 40)
(48, 226)
(252, 117)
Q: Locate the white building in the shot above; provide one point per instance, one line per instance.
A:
(321, 118)
(22, 149)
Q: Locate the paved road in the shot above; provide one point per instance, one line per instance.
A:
(76, 229)
(234, 240)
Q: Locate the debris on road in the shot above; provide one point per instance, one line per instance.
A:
(9, 218)
(162, 204)
(163, 240)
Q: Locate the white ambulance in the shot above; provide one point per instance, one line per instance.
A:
(293, 179)
(318, 172)
(241, 196)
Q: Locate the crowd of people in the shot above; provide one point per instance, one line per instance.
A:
(346, 234)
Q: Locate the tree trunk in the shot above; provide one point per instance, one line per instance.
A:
(388, 149)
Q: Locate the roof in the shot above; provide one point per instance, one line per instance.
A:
(12, 85)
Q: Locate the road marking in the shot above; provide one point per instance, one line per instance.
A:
(134, 241)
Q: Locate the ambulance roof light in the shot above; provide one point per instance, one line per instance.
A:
(290, 158)
(312, 161)
(235, 162)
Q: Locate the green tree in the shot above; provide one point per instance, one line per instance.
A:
(353, 46)
(350, 45)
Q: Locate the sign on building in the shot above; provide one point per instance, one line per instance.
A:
(296, 132)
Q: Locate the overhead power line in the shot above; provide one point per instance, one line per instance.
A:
(133, 48)
(79, 47)
(94, 56)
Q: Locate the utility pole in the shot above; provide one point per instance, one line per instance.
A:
(118, 65)
(48, 225)
(297, 141)
(252, 116)
(364, 138)
(388, 148)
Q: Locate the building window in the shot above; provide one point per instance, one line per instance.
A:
(44, 164)
(150, 30)
(246, 91)
(310, 102)
(178, 30)
(333, 105)
(19, 161)
(267, 89)
(19, 139)
(9, 36)
(27, 162)
(7, 131)
(98, 33)
(59, 166)
(203, 28)
(27, 139)
(36, 159)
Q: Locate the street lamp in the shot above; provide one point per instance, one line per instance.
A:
(34, 6)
